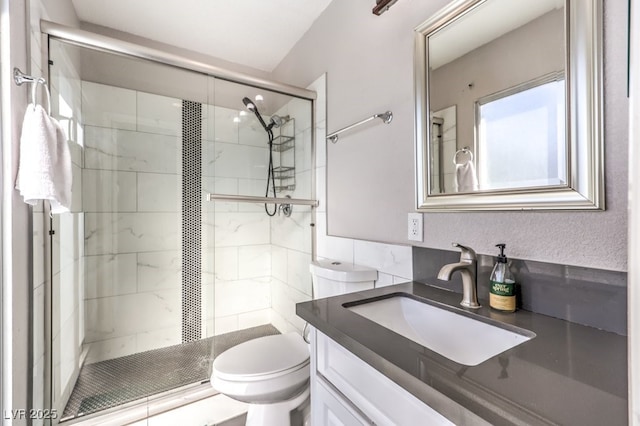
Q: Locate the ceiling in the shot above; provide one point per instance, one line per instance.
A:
(254, 33)
(483, 24)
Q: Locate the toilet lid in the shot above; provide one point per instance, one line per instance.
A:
(262, 356)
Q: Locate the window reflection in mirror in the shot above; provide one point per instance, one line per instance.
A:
(520, 136)
(492, 65)
(510, 92)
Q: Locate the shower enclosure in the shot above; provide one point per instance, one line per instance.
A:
(169, 255)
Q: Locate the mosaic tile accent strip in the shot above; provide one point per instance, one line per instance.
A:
(191, 221)
(110, 383)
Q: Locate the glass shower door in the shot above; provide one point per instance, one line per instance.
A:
(261, 251)
(150, 280)
(127, 298)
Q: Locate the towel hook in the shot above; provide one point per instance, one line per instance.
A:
(20, 78)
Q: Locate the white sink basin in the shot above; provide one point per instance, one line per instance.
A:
(458, 337)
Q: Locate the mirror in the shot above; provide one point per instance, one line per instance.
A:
(508, 106)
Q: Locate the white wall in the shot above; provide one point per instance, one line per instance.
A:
(490, 70)
(369, 66)
(633, 321)
(15, 217)
(393, 262)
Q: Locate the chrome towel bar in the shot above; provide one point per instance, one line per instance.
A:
(386, 117)
(269, 200)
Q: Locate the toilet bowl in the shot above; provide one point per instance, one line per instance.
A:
(271, 373)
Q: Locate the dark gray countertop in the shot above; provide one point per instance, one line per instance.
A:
(568, 374)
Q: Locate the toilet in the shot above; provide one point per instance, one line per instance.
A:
(271, 373)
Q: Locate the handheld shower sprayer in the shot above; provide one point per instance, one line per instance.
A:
(275, 121)
(248, 103)
(252, 107)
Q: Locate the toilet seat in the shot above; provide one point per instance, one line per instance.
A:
(265, 370)
(263, 358)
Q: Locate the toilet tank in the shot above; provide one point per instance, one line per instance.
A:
(331, 278)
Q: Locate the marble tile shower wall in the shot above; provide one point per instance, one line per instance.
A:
(236, 236)
(259, 262)
(131, 200)
(291, 236)
(131, 196)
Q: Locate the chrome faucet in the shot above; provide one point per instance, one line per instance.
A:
(468, 269)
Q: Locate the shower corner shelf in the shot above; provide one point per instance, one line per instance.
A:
(283, 172)
(284, 143)
(286, 177)
(291, 187)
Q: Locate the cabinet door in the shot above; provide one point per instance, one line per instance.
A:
(330, 409)
(375, 395)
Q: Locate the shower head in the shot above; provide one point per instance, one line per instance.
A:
(277, 121)
(252, 107)
(249, 104)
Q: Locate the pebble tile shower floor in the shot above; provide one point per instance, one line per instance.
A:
(114, 382)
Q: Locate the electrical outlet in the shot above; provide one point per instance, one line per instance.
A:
(414, 225)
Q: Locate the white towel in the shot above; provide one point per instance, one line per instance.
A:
(466, 179)
(44, 170)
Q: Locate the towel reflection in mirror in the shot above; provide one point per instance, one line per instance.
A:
(466, 179)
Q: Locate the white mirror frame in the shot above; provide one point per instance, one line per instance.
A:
(585, 189)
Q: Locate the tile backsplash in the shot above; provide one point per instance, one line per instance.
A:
(588, 296)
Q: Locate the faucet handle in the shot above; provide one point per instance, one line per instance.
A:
(466, 253)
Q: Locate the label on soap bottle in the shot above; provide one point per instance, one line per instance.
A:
(502, 296)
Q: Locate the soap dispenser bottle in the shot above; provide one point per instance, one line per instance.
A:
(502, 285)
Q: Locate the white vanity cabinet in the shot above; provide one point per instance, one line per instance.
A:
(331, 408)
(347, 391)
